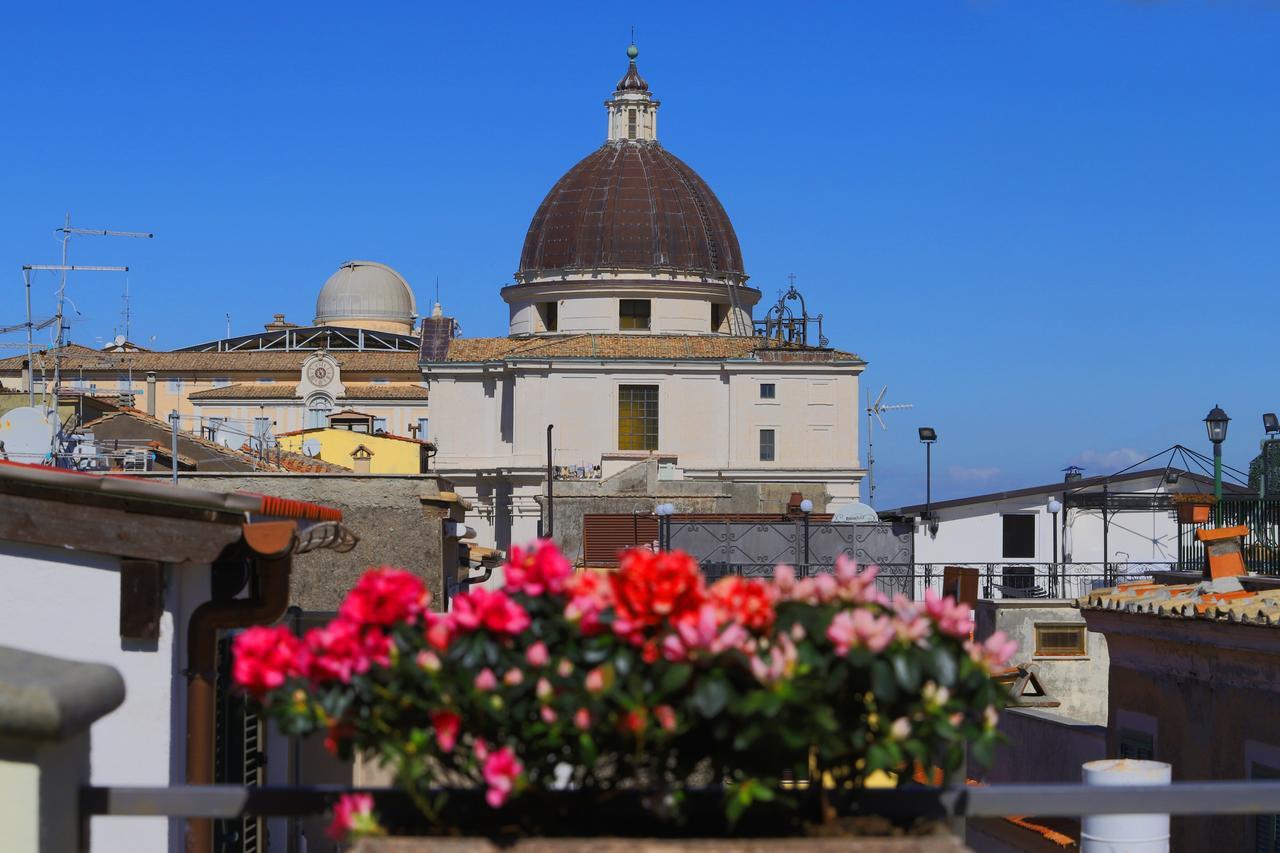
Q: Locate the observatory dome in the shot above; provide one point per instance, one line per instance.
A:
(366, 295)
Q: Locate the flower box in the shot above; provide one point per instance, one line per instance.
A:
(580, 704)
(1194, 508)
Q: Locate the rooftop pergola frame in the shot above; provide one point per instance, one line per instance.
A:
(306, 338)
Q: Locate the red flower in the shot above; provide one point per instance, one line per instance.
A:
(651, 588)
(340, 650)
(538, 570)
(447, 725)
(747, 602)
(635, 721)
(494, 611)
(353, 815)
(265, 658)
(385, 596)
(589, 594)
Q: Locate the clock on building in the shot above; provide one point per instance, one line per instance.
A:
(320, 374)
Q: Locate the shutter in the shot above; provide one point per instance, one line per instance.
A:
(606, 535)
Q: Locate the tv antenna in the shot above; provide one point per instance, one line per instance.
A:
(876, 410)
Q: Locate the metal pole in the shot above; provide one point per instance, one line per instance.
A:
(31, 367)
(1217, 480)
(551, 508)
(173, 462)
(1053, 568)
(1106, 529)
(806, 541)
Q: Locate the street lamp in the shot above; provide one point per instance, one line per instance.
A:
(928, 435)
(806, 507)
(1054, 506)
(664, 511)
(1216, 423)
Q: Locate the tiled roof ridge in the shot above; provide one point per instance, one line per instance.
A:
(1199, 601)
(140, 415)
(373, 435)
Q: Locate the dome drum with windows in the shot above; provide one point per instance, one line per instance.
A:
(631, 239)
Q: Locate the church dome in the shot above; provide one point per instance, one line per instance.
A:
(366, 295)
(631, 205)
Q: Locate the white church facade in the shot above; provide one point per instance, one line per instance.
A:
(632, 335)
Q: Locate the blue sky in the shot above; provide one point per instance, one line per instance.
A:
(1051, 227)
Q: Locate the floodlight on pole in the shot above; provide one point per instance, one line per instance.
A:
(929, 435)
(1270, 423)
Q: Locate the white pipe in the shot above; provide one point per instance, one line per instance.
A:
(1122, 833)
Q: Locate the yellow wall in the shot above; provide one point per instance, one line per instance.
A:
(390, 456)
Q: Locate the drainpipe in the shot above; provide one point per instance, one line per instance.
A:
(551, 476)
(271, 543)
(151, 393)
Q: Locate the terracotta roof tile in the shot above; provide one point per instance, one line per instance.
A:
(75, 357)
(621, 346)
(135, 414)
(1189, 601)
(289, 391)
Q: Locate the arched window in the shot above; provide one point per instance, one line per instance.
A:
(319, 406)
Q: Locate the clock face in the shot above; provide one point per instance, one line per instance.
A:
(320, 374)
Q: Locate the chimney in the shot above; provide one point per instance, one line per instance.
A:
(1074, 472)
(26, 375)
(151, 393)
(437, 332)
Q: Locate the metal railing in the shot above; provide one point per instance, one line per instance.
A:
(1235, 797)
(995, 580)
(1261, 544)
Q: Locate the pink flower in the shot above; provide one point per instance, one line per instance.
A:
(595, 680)
(857, 587)
(439, 630)
(784, 578)
(265, 658)
(543, 690)
(428, 661)
(501, 771)
(900, 729)
(539, 570)
(385, 596)
(486, 680)
(995, 652)
(582, 718)
(513, 677)
(548, 714)
(340, 650)
(951, 617)
(910, 622)
(666, 717)
(353, 815)
(537, 654)
(447, 725)
(860, 629)
(589, 595)
(779, 664)
(496, 612)
(565, 668)
(703, 633)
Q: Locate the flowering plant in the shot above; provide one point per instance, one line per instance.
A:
(642, 678)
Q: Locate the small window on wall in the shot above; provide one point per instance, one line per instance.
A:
(379, 425)
(768, 391)
(1019, 537)
(1060, 641)
(718, 312)
(1266, 826)
(549, 314)
(766, 445)
(423, 429)
(633, 313)
(637, 417)
(1137, 744)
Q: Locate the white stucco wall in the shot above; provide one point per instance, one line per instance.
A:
(973, 533)
(677, 305)
(67, 604)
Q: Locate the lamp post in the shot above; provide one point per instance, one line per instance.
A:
(1054, 507)
(928, 435)
(806, 507)
(1216, 424)
(664, 512)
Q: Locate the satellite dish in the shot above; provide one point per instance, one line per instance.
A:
(120, 340)
(311, 447)
(855, 513)
(27, 433)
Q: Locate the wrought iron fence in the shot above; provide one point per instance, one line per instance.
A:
(1261, 544)
(995, 580)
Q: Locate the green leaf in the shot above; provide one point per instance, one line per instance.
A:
(710, 696)
(676, 677)
(588, 747)
(907, 671)
(944, 665)
(882, 682)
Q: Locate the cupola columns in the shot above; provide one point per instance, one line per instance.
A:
(633, 112)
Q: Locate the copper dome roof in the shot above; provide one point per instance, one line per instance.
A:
(631, 205)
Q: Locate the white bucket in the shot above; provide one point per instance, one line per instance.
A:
(1122, 833)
